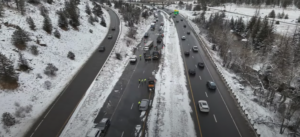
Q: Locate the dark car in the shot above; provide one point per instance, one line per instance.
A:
(187, 53)
(113, 28)
(177, 21)
(109, 36)
(159, 39)
(184, 25)
(211, 85)
(101, 49)
(201, 65)
(174, 16)
(188, 32)
(192, 72)
(181, 19)
(103, 126)
(146, 35)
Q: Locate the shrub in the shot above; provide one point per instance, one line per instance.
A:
(118, 56)
(277, 22)
(50, 70)
(71, 55)
(34, 50)
(8, 119)
(91, 31)
(272, 14)
(47, 85)
(57, 34)
(197, 8)
(21, 111)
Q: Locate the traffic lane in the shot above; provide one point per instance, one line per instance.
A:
(49, 124)
(215, 102)
(239, 119)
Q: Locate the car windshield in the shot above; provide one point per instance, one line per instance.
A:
(212, 84)
(102, 124)
(101, 48)
(204, 104)
(195, 47)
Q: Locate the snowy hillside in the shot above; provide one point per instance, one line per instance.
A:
(246, 12)
(31, 98)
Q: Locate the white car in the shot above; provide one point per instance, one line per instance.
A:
(195, 48)
(133, 58)
(203, 105)
(183, 37)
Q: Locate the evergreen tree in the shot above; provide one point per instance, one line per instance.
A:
(255, 29)
(240, 26)
(57, 34)
(44, 11)
(17, 3)
(22, 7)
(232, 23)
(31, 23)
(109, 3)
(62, 20)
(87, 9)
(96, 19)
(286, 16)
(71, 9)
(7, 72)
(265, 32)
(296, 47)
(50, 1)
(272, 14)
(47, 26)
(91, 20)
(251, 23)
(1, 10)
(97, 10)
(33, 1)
(19, 38)
(103, 23)
(297, 4)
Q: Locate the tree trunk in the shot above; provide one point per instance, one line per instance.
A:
(282, 128)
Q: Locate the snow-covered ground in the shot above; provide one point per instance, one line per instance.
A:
(170, 115)
(245, 96)
(83, 118)
(31, 91)
(236, 11)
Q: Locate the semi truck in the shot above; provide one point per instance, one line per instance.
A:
(148, 45)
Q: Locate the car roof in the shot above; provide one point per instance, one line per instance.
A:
(92, 132)
(203, 103)
(104, 120)
(212, 83)
(195, 46)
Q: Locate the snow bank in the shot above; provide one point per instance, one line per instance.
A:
(171, 112)
(83, 118)
(31, 91)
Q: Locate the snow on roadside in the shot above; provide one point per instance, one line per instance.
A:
(32, 91)
(171, 112)
(83, 118)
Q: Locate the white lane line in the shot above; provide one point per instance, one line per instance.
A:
(200, 77)
(192, 56)
(131, 105)
(222, 97)
(144, 71)
(215, 118)
(206, 94)
(139, 85)
(196, 67)
(122, 134)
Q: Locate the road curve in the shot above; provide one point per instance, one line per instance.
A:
(54, 119)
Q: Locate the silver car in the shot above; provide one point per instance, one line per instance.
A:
(144, 105)
(183, 37)
(203, 105)
(195, 48)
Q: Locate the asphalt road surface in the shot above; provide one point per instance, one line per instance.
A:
(225, 118)
(54, 119)
(122, 104)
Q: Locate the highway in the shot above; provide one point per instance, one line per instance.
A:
(224, 118)
(122, 104)
(54, 119)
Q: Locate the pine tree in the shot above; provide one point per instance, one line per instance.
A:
(47, 26)
(62, 20)
(22, 6)
(17, 3)
(240, 26)
(33, 1)
(286, 16)
(57, 34)
(251, 23)
(103, 23)
(44, 11)
(97, 10)
(71, 9)
(91, 20)
(264, 33)
(31, 23)
(50, 1)
(7, 71)
(231, 23)
(96, 19)
(87, 9)
(255, 29)
(1, 10)
(19, 38)
(272, 14)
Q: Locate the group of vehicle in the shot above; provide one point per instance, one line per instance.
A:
(109, 36)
